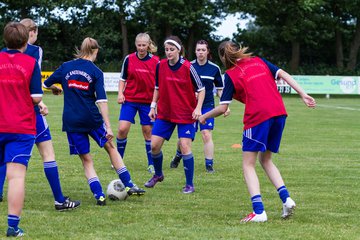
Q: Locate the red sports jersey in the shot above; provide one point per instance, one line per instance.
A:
(140, 82)
(17, 113)
(256, 88)
(177, 99)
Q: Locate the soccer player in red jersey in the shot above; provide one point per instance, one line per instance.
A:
(136, 88)
(20, 90)
(174, 95)
(43, 135)
(251, 80)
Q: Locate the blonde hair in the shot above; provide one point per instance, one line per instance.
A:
(230, 52)
(152, 46)
(29, 24)
(88, 46)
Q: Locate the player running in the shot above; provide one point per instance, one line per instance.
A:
(251, 80)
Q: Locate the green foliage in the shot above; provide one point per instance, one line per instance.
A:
(274, 28)
(319, 161)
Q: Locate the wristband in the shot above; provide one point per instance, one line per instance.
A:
(153, 105)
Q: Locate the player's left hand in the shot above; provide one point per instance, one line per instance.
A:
(309, 101)
(109, 134)
(43, 109)
(196, 114)
(227, 113)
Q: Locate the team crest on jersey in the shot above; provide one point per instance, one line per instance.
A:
(78, 85)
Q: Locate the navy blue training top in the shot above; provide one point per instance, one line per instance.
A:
(83, 86)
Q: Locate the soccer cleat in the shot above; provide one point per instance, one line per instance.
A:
(135, 190)
(101, 201)
(188, 189)
(155, 179)
(68, 204)
(175, 161)
(288, 208)
(210, 169)
(151, 169)
(11, 232)
(253, 217)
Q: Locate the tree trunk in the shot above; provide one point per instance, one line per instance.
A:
(190, 44)
(295, 55)
(339, 49)
(354, 47)
(125, 43)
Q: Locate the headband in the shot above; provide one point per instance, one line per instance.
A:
(173, 42)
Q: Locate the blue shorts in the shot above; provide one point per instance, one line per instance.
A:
(265, 136)
(129, 109)
(16, 148)
(209, 125)
(79, 142)
(165, 129)
(42, 129)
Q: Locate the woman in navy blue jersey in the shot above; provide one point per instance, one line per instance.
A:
(84, 95)
(210, 75)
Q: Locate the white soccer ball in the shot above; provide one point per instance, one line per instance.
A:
(116, 190)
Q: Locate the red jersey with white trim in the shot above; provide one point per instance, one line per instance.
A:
(16, 107)
(177, 99)
(255, 87)
(140, 82)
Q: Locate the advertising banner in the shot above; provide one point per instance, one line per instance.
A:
(323, 84)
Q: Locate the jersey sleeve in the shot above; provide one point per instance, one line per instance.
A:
(100, 88)
(40, 57)
(196, 81)
(228, 90)
(218, 80)
(124, 69)
(56, 77)
(157, 76)
(273, 68)
(35, 82)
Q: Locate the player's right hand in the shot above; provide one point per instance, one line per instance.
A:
(121, 98)
(152, 114)
(56, 90)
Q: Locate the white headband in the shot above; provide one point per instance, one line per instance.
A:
(173, 42)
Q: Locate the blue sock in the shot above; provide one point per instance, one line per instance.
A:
(257, 204)
(2, 178)
(121, 145)
(52, 175)
(148, 152)
(188, 161)
(125, 177)
(95, 187)
(178, 153)
(283, 193)
(13, 221)
(158, 160)
(209, 162)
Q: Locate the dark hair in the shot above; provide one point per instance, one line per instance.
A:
(15, 35)
(176, 39)
(204, 42)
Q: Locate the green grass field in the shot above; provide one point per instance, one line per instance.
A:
(319, 161)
